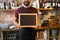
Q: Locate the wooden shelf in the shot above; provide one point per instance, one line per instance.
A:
(15, 9)
(2, 10)
(45, 9)
(48, 9)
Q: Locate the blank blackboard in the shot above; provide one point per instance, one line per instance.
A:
(27, 19)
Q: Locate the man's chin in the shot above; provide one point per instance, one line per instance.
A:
(26, 6)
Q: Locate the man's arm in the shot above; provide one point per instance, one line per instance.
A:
(17, 24)
(16, 19)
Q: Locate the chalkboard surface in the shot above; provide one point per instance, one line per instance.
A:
(27, 19)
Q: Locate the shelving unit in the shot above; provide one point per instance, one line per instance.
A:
(3, 32)
(48, 32)
(8, 33)
(52, 27)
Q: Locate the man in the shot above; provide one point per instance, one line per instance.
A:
(29, 32)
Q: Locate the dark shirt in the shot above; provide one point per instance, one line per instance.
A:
(26, 33)
(25, 10)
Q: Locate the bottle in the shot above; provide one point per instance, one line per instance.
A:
(49, 4)
(41, 3)
(9, 5)
(55, 4)
(13, 4)
(4, 5)
(44, 3)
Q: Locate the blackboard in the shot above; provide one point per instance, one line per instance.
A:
(27, 19)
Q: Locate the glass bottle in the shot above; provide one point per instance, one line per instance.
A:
(44, 3)
(49, 4)
(55, 4)
(41, 3)
(9, 5)
(4, 5)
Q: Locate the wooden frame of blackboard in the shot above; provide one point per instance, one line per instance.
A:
(28, 14)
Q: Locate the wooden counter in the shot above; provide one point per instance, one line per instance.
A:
(8, 31)
(41, 28)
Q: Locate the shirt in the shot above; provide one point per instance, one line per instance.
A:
(25, 10)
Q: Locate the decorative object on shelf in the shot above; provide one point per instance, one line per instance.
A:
(53, 20)
(45, 23)
(44, 20)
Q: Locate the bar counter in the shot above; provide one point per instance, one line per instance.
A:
(38, 29)
(15, 31)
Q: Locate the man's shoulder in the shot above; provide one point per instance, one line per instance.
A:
(19, 8)
(34, 8)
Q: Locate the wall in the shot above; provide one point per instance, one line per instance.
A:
(6, 18)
